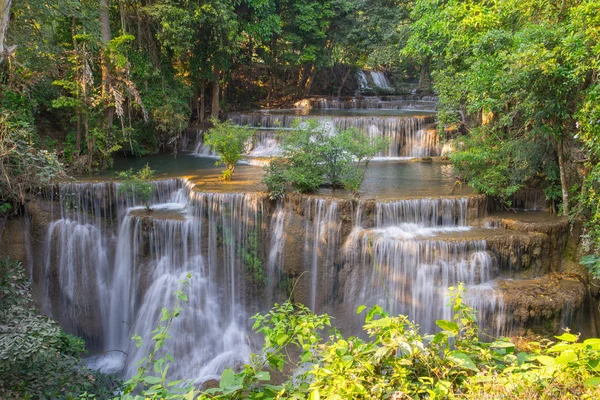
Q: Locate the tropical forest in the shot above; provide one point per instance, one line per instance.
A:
(299, 199)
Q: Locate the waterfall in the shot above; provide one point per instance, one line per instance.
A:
(321, 244)
(363, 84)
(403, 265)
(407, 135)
(111, 267)
(369, 102)
(381, 80)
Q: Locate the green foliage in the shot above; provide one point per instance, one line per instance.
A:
(229, 142)
(137, 185)
(399, 362)
(513, 72)
(313, 156)
(24, 168)
(37, 358)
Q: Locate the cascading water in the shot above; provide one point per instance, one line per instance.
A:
(402, 265)
(407, 135)
(370, 102)
(321, 244)
(381, 81)
(128, 274)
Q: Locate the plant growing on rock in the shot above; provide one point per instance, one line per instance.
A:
(137, 185)
(314, 155)
(229, 142)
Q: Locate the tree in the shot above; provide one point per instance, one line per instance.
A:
(506, 71)
(312, 155)
(229, 141)
(4, 20)
(24, 168)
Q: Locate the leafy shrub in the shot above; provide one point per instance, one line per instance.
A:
(37, 358)
(229, 142)
(24, 168)
(137, 185)
(313, 156)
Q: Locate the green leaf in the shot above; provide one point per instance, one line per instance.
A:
(152, 380)
(227, 379)
(567, 337)
(592, 382)
(314, 395)
(566, 357)
(447, 325)
(462, 360)
(360, 309)
(263, 376)
(546, 361)
(281, 338)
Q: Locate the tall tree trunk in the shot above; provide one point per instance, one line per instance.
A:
(202, 106)
(105, 32)
(424, 76)
(344, 79)
(563, 175)
(4, 19)
(214, 111)
(79, 82)
(309, 80)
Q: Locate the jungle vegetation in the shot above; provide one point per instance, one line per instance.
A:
(82, 81)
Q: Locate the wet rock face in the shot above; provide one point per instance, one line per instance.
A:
(543, 306)
(537, 246)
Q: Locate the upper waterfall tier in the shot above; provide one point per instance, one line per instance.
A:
(408, 136)
(408, 102)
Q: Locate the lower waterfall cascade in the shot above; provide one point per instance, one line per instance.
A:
(110, 266)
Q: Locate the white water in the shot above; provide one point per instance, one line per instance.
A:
(107, 283)
(402, 265)
(321, 243)
(407, 136)
(381, 80)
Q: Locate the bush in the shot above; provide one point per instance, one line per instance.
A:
(37, 358)
(313, 156)
(229, 142)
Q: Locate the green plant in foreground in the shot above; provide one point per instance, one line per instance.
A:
(396, 361)
(37, 358)
(137, 185)
(229, 142)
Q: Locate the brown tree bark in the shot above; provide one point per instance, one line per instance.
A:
(214, 111)
(79, 75)
(201, 105)
(309, 80)
(563, 175)
(4, 20)
(344, 79)
(424, 83)
(105, 36)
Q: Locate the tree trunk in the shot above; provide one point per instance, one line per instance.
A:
(563, 176)
(105, 32)
(79, 82)
(424, 76)
(4, 19)
(214, 111)
(309, 80)
(344, 79)
(201, 105)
